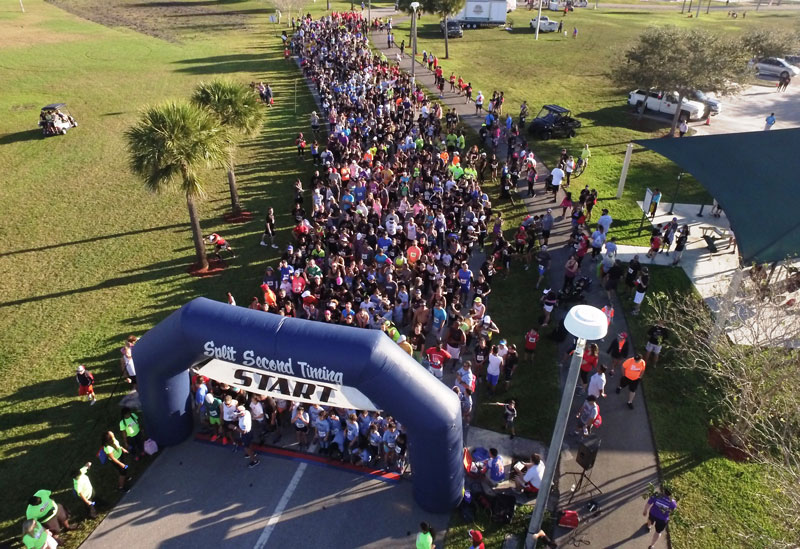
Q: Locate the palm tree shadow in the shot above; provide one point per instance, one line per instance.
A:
(27, 135)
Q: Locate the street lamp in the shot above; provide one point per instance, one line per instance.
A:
(585, 323)
(414, 7)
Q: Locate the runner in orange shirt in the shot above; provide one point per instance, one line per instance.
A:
(632, 372)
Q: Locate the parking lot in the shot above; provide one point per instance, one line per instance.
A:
(197, 495)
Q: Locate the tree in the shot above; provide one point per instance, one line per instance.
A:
(289, 6)
(674, 59)
(749, 374)
(169, 146)
(444, 9)
(770, 43)
(238, 110)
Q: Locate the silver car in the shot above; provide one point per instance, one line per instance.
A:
(776, 66)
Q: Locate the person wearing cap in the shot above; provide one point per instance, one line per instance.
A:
(618, 349)
(36, 536)
(213, 408)
(478, 309)
(403, 343)
(85, 381)
(476, 537)
(244, 428)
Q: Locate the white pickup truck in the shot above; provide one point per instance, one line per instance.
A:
(545, 25)
(666, 102)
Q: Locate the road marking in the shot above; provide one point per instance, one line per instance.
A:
(276, 515)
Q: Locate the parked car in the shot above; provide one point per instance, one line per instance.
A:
(545, 25)
(667, 103)
(714, 105)
(453, 29)
(792, 60)
(553, 121)
(775, 66)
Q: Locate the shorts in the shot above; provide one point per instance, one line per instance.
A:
(530, 351)
(508, 374)
(247, 439)
(455, 352)
(632, 384)
(545, 234)
(658, 523)
(542, 270)
(213, 420)
(303, 429)
(133, 380)
(638, 298)
(436, 371)
(584, 376)
(492, 379)
(653, 348)
(548, 308)
(84, 390)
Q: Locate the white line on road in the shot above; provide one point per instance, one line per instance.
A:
(276, 515)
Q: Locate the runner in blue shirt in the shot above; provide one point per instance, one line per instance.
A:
(497, 472)
(465, 279)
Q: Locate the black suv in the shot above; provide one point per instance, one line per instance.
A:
(553, 121)
(453, 29)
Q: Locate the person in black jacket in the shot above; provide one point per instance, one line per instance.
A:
(619, 349)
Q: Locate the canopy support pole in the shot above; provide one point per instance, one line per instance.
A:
(624, 175)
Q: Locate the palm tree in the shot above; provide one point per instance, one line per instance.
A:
(239, 110)
(169, 145)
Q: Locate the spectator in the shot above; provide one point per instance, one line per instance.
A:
(531, 481)
(36, 536)
(655, 338)
(126, 363)
(83, 489)
(425, 537)
(115, 453)
(85, 384)
(132, 438)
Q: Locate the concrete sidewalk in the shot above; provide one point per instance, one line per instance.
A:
(626, 463)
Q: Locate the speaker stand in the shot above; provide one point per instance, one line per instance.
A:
(582, 476)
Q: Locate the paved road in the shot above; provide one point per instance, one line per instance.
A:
(746, 112)
(198, 495)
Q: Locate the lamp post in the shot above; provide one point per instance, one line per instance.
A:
(539, 19)
(585, 323)
(414, 7)
(675, 196)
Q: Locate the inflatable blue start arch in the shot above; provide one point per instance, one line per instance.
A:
(306, 361)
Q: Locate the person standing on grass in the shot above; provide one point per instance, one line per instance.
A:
(493, 369)
(641, 289)
(132, 437)
(115, 453)
(85, 384)
(655, 338)
(126, 363)
(531, 338)
(683, 128)
(632, 372)
(83, 489)
(658, 510)
(618, 350)
(632, 273)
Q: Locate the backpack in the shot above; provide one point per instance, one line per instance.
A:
(503, 508)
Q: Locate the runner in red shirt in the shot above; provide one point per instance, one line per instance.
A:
(436, 358)
(531, 338)
(220, 244)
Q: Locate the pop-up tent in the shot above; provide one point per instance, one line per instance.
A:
(752, 175)
(306, 361)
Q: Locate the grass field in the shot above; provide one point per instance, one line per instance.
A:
(573, 73)
(721, 503)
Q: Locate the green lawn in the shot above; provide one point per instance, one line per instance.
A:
(721, 503)
(573, 73)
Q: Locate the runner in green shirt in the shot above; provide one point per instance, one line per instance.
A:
(83, 488)
(131, 433)
(46, 511)
(36, 536)
(114, 452)
(425, 537)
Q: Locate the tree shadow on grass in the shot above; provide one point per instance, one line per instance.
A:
(622, 116)
(27, 135)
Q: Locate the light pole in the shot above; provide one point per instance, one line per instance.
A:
(675, 196)
(414, 7)
(585, 323)
(539, 19)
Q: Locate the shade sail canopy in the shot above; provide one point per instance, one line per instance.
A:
(755, 177)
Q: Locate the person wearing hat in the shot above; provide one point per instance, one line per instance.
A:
(36, 536)
(477, 538)
(245, 430)
(85, 384)
(43, 509)
(618, 350)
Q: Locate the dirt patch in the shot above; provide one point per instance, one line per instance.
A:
(171, 21)
(28, 33)
(719, 438)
